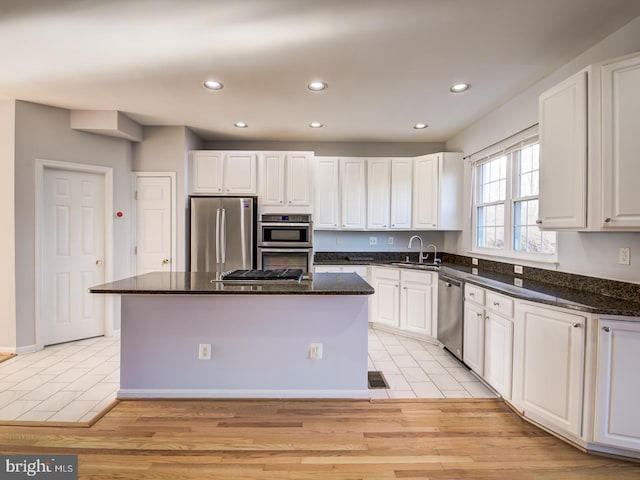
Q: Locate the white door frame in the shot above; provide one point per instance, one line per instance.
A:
(174, 218)
(107, 172)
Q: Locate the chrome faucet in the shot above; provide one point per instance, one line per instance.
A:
(422, 257)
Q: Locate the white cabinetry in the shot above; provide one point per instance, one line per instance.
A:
(405, 299)
(353, 193)
(386, 299)
(401, 189)
(589, 143)
(488, 337)
(223, 173)
(437, 192)
(617, 421)
(285, 180)
(548, 369)
(563, 154)
(327, 189)
(621, 143)
(378, 189)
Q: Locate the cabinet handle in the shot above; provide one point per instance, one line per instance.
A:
(575, 325)
(539, 222)
(404, 288)
(606, 329)
(471, 294)
(479, 316)
(496, 304)
(393, 225)
(607, 220)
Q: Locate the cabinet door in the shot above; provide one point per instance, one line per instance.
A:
(387, 299)
(401, 179)
(618, 389)
(549, 356)
(378, 186)
(417, 302)
(621, 143)
(299, 179)
(498, 353)
(563, 154)
(473, 337)
(240, 173)
(353, 193)
(425, 192)
(272, 179)
(327, 192)
(206, 172)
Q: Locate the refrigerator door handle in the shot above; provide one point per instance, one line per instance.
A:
(218, 236)
(223, 233)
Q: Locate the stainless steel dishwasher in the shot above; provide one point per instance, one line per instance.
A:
(450, 313)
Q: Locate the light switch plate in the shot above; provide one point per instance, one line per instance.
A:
(373, 241)
(624, 255)
(517, 269)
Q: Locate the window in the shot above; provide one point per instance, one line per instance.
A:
(506, 205)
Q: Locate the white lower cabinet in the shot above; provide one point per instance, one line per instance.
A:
(617, 421)
(498, 353)
(548, 371)
(473, 337)
(405, 299)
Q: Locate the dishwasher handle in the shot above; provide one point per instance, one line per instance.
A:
(450, 282)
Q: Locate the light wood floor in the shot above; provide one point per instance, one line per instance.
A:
(419, 439)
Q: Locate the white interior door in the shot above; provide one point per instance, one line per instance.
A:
(153, 224)
(73, 255)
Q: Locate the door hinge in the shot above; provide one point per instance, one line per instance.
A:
(135, 195)
(135, 250)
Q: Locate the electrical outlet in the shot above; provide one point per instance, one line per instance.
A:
(373, 240)
(389, 240)
(474, 261)
(517, 282)
(338, 240)
(315, 351)
(474, 271)
(624, 255)
(204, 351)
(517, 269)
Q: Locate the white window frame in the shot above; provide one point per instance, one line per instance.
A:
(506, 147)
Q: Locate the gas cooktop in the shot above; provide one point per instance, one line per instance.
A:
(286, 274)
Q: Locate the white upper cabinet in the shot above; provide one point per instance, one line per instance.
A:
(353, 193)
(437, 192)
(401, 200)
(285, 180)
(589, 147)
(378, 188)
(223, 173)
(327, 191)
(621, 144)
(563, 154)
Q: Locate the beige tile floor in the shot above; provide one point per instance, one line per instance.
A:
(73, 382)
(70, 382)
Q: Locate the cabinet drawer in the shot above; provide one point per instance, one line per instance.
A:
(387, 273)
(473, 294)
(499, 304)
(425, 278)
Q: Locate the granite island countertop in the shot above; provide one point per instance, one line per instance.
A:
(207, 283)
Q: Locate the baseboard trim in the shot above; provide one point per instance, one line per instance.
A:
(19, 350)
(126, 393)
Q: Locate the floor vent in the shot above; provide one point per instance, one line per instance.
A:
(377, 380)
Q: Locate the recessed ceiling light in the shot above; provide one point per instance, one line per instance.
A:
(316, 125)
(317, 86)
(213, 85)
(420, 126)
(240, 125)
(459, 87)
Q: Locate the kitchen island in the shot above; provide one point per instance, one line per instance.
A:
(259, 336)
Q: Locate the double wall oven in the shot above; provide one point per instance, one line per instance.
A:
(285, 241)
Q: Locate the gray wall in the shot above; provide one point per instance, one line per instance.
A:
(592, 254)
(44, 132)
(166, 149)
(327, 241)
(7, 220)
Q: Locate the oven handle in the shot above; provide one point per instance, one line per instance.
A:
(274, 224)
(286, 250)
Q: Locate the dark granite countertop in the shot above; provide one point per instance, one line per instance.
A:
(200, 283)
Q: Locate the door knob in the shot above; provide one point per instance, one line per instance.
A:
(165, 261)
(98, 262)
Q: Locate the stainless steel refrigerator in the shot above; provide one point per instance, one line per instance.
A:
(222, 233)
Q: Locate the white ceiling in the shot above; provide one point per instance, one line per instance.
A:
(388, 63)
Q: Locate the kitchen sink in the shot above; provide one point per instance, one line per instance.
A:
(416, 265)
